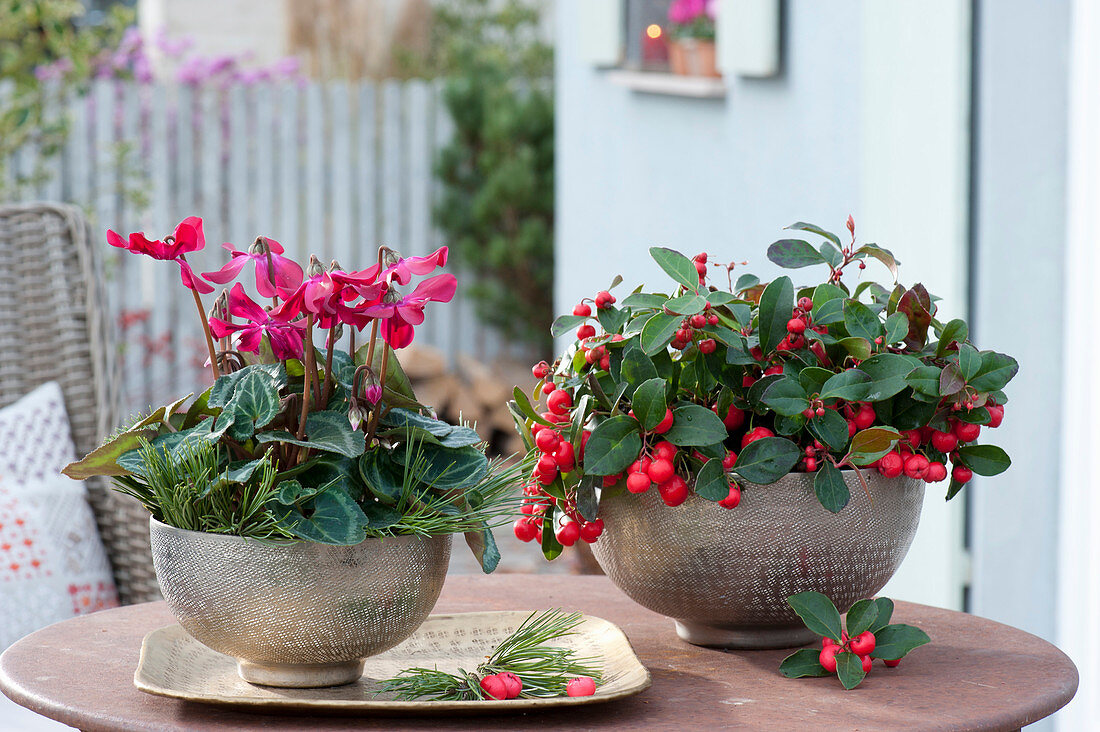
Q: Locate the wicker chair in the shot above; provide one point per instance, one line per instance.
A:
(54, 326)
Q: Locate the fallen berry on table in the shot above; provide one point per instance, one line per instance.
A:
(892, 662)
(494, 687)
(580, 686)
(513, 684)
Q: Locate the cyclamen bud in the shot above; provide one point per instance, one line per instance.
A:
(315, 267)
(259, 246)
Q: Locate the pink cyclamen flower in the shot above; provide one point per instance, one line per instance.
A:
(187, 237)
(403, 315)
(402, 272)
(285, 337)
(325, 296)
(284, 272)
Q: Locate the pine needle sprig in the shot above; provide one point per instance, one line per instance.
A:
(544, 669)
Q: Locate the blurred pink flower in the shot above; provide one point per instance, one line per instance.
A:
(286, 273)
(188, 237)
(682, 12)
(284, 336)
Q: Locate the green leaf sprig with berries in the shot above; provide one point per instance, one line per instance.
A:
(849, 651)
(714, 389)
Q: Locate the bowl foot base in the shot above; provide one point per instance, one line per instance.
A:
(300, 675)
(746, 638)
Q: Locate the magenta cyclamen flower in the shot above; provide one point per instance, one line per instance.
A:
(403, 315)
(285, 337)
(402, 272)
(283, 271)
(187, 237)
(325, 295)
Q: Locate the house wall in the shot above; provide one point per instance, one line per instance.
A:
(869, 116)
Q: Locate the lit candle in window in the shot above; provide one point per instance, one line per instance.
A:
(654, 46)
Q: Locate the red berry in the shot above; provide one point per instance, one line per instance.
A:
(827, 658)
(494, 687)
(585, 331)
(698, 320)
(796, 325)
(996, 414)
(913, 436)
(805, 304)
(729, 460)
(564, 456)
(734, 418)
(892, 662)
(684, 335)
(776, 369)
(512, 683)
(591, 531)
(548, 387)
(890, 465)
(967, 432)
(915, 465)
(865, 417)
(524, 529)
(811, 464)
(852, 428)
(665, 424)
(559, 402)
(712, 319)
(866, 660)
(580, 686)
(935, 472)
(605, 363)
(664, 450)
(540, 370)
(674, 492)
(756, 433)
(708, 345)
(826, 641)
(638, 482)
(547, 440)
(661, 470)
(604, 299)
(944, 441)
(548, 462)
(582, 310)
(863, 643)
(611, 480)
(568, 533)
(701, 257)
(733, 498)
(962, 474)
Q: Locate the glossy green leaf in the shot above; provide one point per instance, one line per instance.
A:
(694, 426)
(830, 488)
(860, 617)
(849, 669)
(794, 253)
(776, 304)
(996, 371)
(872, 443)
(815, 229)
(786, 397)
(523, 403)
(831, 428)
(887, 372)
(644, 301)
(985, 459)
(587, 503)
(861, 322)
(636, 368)
(551, 547)
(895, 641)
(850, 385)
(885, 608)
(685, 305)
(857, 348)
(566, 324)
(484, 547)
(767, 460)
(969, 360)
(925, 380)
(818, 613)
(658, 332)
(676, 265)
(650, 404)
(951, 380)
(956, 331)
(897, 327)
(803, 663)
(613, 446)
(711, 482)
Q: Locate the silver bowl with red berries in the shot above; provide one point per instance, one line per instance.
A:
(724, 443)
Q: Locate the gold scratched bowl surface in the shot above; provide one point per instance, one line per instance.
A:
(174, 664)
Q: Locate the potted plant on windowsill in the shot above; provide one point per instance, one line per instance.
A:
(723, 448)
(302, 507)
(691, 38)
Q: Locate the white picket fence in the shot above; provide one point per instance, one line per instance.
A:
(333, 169)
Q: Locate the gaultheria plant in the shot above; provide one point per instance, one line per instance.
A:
(297, 436)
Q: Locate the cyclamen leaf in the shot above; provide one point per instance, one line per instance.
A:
(818, 613)
(895, 641)
(803, 663)
(794, 253)
(484, 547)
(326, 431)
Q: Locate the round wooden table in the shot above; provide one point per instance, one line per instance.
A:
(975, 674)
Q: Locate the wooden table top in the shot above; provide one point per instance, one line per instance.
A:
(975, 674)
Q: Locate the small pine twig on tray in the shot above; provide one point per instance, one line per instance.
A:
(543, 669)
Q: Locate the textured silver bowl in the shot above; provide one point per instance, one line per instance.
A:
(298, 614)
(724, 575)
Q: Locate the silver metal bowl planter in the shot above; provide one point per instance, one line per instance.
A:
(298, 614)
(724, 575)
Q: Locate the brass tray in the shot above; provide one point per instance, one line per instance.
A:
(174, 664)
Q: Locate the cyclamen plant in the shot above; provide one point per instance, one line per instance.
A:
(692, 19)
(713, 391)
(297, 437)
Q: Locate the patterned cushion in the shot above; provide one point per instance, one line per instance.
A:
(52, 563)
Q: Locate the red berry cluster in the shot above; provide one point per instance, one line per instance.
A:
(800, 321)
(862, 645)
(922, 453)
(505, 685)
